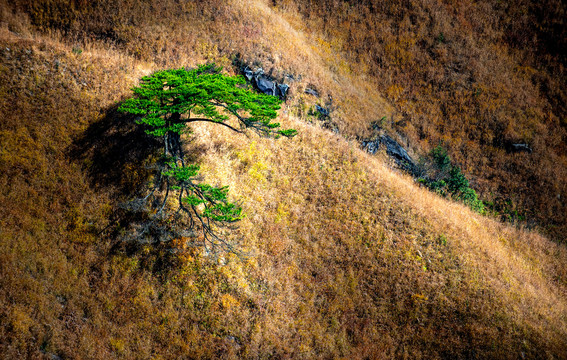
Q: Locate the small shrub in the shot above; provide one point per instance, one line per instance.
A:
(441, 158)
(447, 180)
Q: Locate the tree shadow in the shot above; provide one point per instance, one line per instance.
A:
(119, 158)
(116, 152)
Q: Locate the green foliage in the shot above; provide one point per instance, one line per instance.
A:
(167, 99)
(447, 179)
(167, 102)
(457, 183)
(437, 186)
(441, 158)
(470, 198)
(181, 173)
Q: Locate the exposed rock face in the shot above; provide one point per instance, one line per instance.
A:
(268, 85)
(248, 73)
(517, 147)
(323, 111)
(396, 150)
(393, 149)
(282, 90)
(312, 92)
(521, 148)
(265, 83)
(371, 146)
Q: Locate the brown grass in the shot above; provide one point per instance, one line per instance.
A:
(347, 258)
(473, 76)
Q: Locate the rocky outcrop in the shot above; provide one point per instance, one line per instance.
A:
(520, 148)
(312, 92)
(393, 149)
(265, 83)
(324, 112)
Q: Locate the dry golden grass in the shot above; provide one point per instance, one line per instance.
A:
(332, 215)
(347, 257)
(472, 76)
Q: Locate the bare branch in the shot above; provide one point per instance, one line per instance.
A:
(214, 122)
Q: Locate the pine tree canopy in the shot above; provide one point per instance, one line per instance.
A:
(166, 102)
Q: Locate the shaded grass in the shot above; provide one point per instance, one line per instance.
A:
(116, 153)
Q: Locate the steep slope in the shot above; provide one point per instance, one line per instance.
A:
(473, 76)
(346, 257)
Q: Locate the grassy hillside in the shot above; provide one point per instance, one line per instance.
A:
(346, 257)
(473, 76)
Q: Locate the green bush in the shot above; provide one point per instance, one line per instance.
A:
(447, 179)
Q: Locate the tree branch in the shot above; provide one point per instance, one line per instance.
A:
(214, 122)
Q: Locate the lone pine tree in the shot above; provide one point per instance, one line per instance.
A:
(166, 103)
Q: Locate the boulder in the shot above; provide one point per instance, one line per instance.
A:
(282, 90)
(521, 148)
(311, 92)
(248, 73)
(393, 149)
(323, 111)
(265, 83)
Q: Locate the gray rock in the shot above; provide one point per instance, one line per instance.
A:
(282, 90)
(396, 150)
(521, 148)
(265, 83)
(323, 111)
(248, 74)
(371, 146)
(311, 92)
(393, 149)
